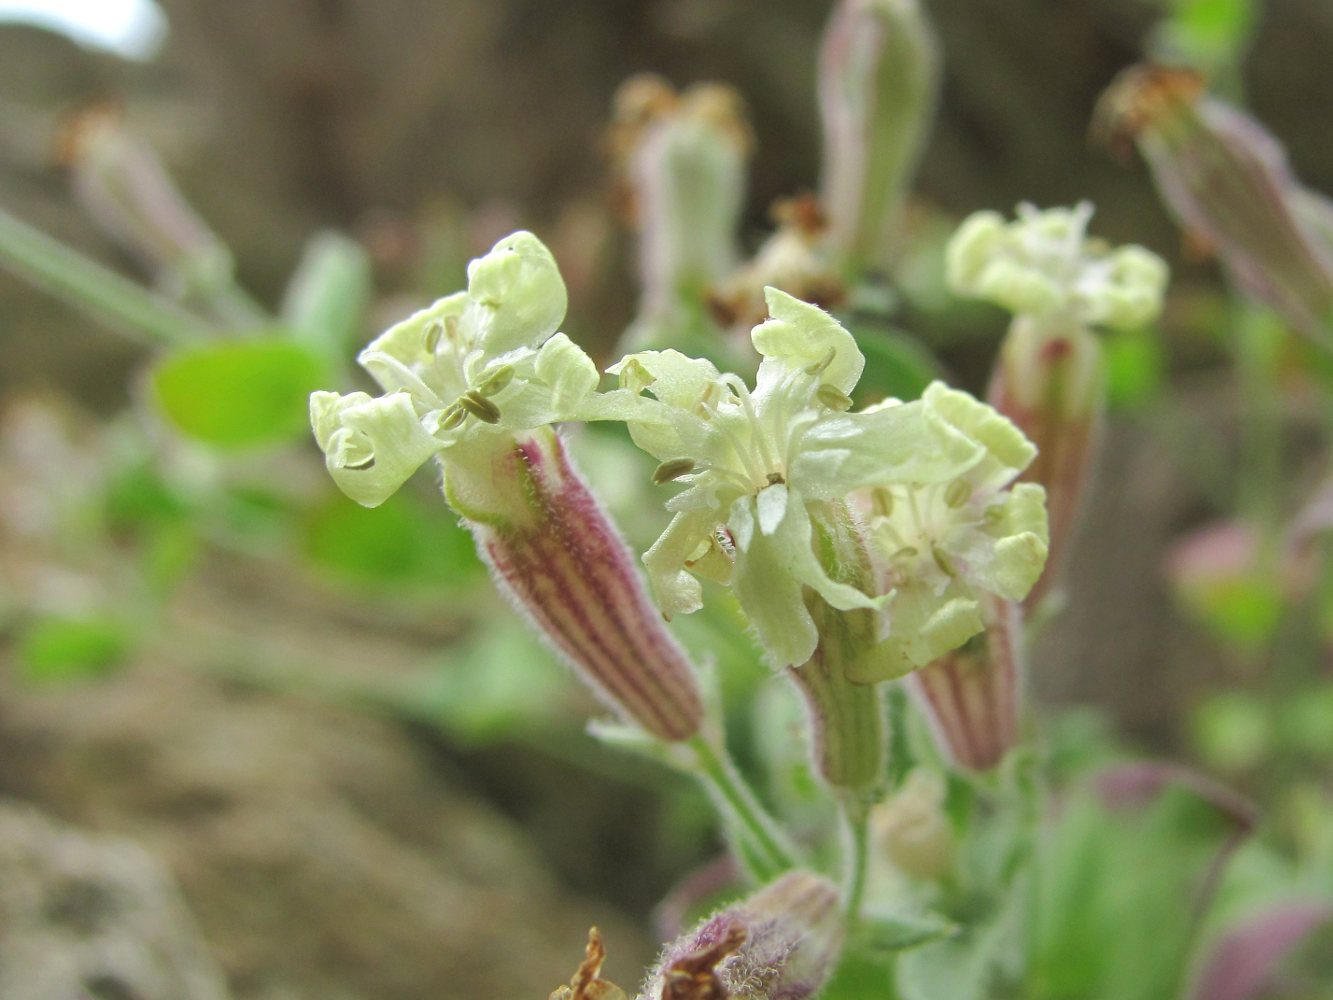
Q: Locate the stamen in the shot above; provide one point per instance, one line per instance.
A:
(674, 469)
(833, 397)
(943, 561)
(957, 493)
(497, 381)
(821, 366)
(430, 336)
(881, 501)
(453, 416)
(480, 407)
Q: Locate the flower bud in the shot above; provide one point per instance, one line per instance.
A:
(970, 696)
(913, 829)
(122, 184)
(780, 944)
(564, 567)
(878, 85)
(1226, 180)
(683, 158)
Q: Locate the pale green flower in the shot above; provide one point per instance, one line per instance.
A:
(753, 460)
(476, 365)
(945, 543)
(1043, 264)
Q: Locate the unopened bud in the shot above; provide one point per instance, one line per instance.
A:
(683, 161)
(780, 944)
(563, 566)
(122, 184)
(913, 829)
(1227, 181)
(878, 86)
(971, 695)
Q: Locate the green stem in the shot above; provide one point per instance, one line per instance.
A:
(765, 849)
(855, 817)
(96, 290)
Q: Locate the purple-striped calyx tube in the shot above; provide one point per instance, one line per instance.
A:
(475, 381)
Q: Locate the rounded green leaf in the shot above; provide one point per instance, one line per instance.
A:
(239, 393)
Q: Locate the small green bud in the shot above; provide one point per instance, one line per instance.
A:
(878, 83)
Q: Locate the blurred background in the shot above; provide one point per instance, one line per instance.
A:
(317, 719)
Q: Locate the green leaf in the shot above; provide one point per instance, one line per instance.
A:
(1231, 731)
(889, 932)
(861, 976)
(1135, 366)
(239, 393)
(499, 682)
(402, 543)
(63, 649)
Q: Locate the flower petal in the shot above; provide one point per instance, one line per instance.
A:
(371, 445)
(518, 297)
(800, 335)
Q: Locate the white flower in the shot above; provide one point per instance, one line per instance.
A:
(478, 364)
(1043, 264)
(948, 544)
(754, 461)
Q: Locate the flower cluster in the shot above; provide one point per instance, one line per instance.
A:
(758, 463)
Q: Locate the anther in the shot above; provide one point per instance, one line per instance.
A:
(943, 561)
(774, 478)
(881, 501)
(480, 407)
(906, 552)
(958, 493)
(497, 381)
(453, 416)
(821, 366)
(430, 336)
(674, 469)
(833, 397)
